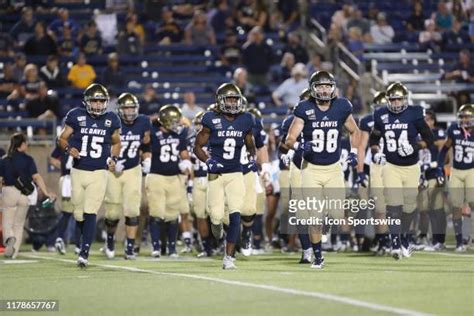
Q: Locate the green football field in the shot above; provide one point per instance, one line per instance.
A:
(274, 284)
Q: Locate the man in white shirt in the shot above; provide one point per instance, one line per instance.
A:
(382, 33)
(189, 108)
(288, 93)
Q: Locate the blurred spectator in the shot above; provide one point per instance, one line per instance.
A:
(81, 75)
(169, 30)
(295, 47)
(288, 93)
(462, 72)
(190, 108)
(220, 17)
(107, 25)
(8, 83)
(373, 13)
(286, 18)
(6, 45)
(91, 42)
(19, 66)
(354, 42)
(352, 95)
(240, 80)
(230, 51)
(416, 20)
(112, 76)
(430, 38)
(315, 64)
(45, 106)
(257, 57)
(253, 13)
(40, 43)
(341, 17)
(282, 71)
(382, 33)
(67, 45)
(358, 20)
(455, 36)
(443, 18)
(129, 42)
(459, 9)
(152, 9)
(150, 105)
(62, 21)
(334, 38)
(137, 27)
(25, 28)
(29, 85)
(198, 31)
(51, 73)
(119, 6)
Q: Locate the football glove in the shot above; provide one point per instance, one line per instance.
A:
(146, 165)
(252, 166)
(379, 159)
(213, 166)
(119, 166)
(362, 179)
(405, 149)
(288, 157)
(440, 179)
(352, 159)
(185, 165)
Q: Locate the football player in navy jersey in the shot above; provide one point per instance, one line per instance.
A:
(293, 159)
(431, 197)
(461, 183)
(165, 190)
(225, 133)
(91, 135)
(124, 187)
(62, 161)
(374, 180)
(399, 124)
(321, 119)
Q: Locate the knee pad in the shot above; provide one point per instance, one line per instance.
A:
(131, 221)
(156, 220)
(247, 220)
(111, 222)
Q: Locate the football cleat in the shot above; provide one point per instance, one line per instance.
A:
(407, 252)
(77, 251)
(156, 254)
(246, 249)
(258, 252)
(436, 247)
(173, 255)
(110, 254)
(9, 247)
(203, 254)
(130, 256)
(318, 263)
(228, 263)
(396, 254)
(307, 256)
(217, 231)
(460, 248)
(186, 249)
(51, 249)
(59, 245)
(82, 262)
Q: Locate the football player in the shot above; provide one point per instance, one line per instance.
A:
(431, 197)
(461, 183)
(164, 187)
(91, 135)
(293, 159)
(366, 166)
(321, 119)
(225, 133)
(124, 186)
(399, 124)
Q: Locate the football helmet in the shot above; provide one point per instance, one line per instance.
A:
(256, 112)
(379, 100)
(170, 117)
(305, 94)
(128, 106)
(229, 99)
(96, 98)
(317, 84)
(197, 120)
(397, 96)
(465, 116)
(213, 108)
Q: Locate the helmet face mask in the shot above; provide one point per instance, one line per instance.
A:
(128, 107)
(465, 116)
(96, 98)
(229, 99)
(322, 86)
(397, 95)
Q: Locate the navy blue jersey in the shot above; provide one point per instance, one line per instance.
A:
(166, 148)
(428, 155)
(463, 146)
(345, 150)
(285, 127)
(227, 138)
(277, 132)
(259, 137)
(20, 164)
(323, 129)
(92, 136)
(64, 157)
(398, 128)
(131, 138)
(199, 167)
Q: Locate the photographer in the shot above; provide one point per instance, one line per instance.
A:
(17, 170)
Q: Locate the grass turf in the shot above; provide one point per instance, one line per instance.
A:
(440, 284)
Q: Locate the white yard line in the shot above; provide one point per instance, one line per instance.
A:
(447, 254)
(319, 295)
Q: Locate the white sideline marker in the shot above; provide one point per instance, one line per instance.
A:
(323, 296)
